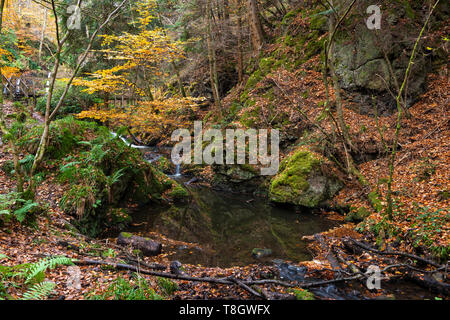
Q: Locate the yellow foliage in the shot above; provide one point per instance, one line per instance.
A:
(8, 72)
(157, 118)
(135, 53)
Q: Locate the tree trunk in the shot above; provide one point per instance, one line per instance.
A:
(2, 5)
(255, 25)
(212, 60)
(49, 114)
(44, 26)
(240, 63)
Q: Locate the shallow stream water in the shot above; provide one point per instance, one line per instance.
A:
(228, 227)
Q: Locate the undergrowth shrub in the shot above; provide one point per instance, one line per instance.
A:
(13, 207)
(27, 280)
(75, 101)
(64, 135)
(102, 175)
(122, 289)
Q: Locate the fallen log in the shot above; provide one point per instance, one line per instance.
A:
(224, 281)
(147, 246)
(140, 263)
(428, 282)
(122, 266)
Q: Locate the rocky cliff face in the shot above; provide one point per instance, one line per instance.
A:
(373, 62)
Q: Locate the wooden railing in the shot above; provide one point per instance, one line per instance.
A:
(18, 87)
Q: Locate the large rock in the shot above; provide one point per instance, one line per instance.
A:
(359, 53)
(147, 246)
(236, 178)
(303, 182)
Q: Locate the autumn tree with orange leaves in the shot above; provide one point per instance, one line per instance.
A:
(143, 54)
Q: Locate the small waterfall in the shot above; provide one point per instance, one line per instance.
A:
(128, 143)
(177, 167)
(178, 170)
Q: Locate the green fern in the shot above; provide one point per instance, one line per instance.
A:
(39, 291)
(27, 207)
(36, 269)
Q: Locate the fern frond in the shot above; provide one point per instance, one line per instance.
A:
(41, 266)
(39, 291)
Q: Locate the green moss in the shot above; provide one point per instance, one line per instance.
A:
(302, 294)
(126, 234)
(248, 168)
(164, 165)
(287, 19)
(409, 10)
(250, 118)
(138, 253)
(253, 80)
(265, 66)
(357, 215)
(318, 22)
(178, 192)
(287, 186)
(375, 201)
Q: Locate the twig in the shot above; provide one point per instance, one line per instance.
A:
(403, 254)
(246, 287)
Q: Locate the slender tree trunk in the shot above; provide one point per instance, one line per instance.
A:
(44, 26)
(180, 82)
(240, 59)
(212, 60)
(4, 129)
(226, 11)
(49, 114)
(333, 25)
(2, 6)
(256, 28)
(389, 200)
(174, 65)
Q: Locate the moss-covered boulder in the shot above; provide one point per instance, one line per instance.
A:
(237, 178)
(302, 181)
(147, 246)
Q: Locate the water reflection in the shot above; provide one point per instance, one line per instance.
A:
(228, 227)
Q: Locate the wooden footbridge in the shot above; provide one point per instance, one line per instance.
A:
(28, 86)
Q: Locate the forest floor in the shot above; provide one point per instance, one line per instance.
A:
(421, 180)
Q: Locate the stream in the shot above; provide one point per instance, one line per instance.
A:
(232, 229)
(228, 229)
